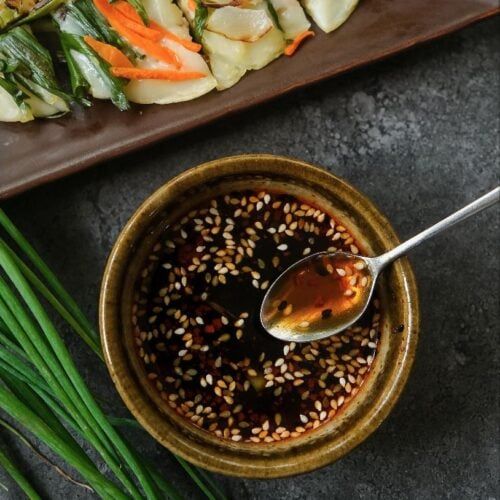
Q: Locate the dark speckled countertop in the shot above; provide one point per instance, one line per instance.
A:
(419, 134)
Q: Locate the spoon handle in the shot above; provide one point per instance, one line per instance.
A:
(473, 208)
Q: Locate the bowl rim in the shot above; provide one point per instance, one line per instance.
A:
(142, 408)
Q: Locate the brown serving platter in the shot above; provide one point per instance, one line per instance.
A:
(45, 150)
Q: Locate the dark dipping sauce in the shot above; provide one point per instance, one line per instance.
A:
(197, 328)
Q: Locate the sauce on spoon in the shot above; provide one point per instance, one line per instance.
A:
(318, 294)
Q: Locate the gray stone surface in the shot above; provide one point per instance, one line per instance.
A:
(420, 135)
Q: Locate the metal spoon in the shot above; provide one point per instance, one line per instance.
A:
(325, 293)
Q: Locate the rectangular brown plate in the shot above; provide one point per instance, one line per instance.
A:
(41, 151)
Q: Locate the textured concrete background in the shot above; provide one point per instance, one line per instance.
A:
(419, 134)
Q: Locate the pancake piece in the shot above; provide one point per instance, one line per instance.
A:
(236, 38)
(329, 14)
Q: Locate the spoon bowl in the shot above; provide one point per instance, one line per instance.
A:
(319, 296)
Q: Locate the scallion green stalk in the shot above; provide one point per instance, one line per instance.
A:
(15, 92)
(86, 19)
(47, 352)
(29, 420)
(18, 476)
(81, 18)
(200, 20)
(40, 398)
(26, 394)
(89, 338)
(34, 64)
(28, 76)
(24, 440)
(79, 85)
(102, 68)
(91, 430)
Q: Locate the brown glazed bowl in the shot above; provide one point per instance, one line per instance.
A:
(399, 305)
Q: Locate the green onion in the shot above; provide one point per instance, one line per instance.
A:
(28, 70)
(49, 354)
(24, 391)
(18, 476)
(79, 85)
(35, 69)
(21, 383)
(115, 85)
(28, 419)
(90, 338)
(56, 378)
(200, 20)
(39, 454)
(16, 93)
(84, 18)
(8, 65)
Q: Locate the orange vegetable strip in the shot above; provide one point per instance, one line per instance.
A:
(192, 5)
(128, 11)
(155, 74)
(291, 49)
(188, 44)
(109, 53)
(140, 28)
(149, 47)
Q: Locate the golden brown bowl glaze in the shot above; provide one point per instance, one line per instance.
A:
(399, 305)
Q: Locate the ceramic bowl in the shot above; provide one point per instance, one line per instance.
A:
(397, 291)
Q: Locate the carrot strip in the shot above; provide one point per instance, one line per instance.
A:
(128, 11)
(155, 74)
(291, 49)
(109, 53)
(192, 5)
(188, 44)
(139, 28)
(149, 47)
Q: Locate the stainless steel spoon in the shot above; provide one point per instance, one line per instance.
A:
(325, 293)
